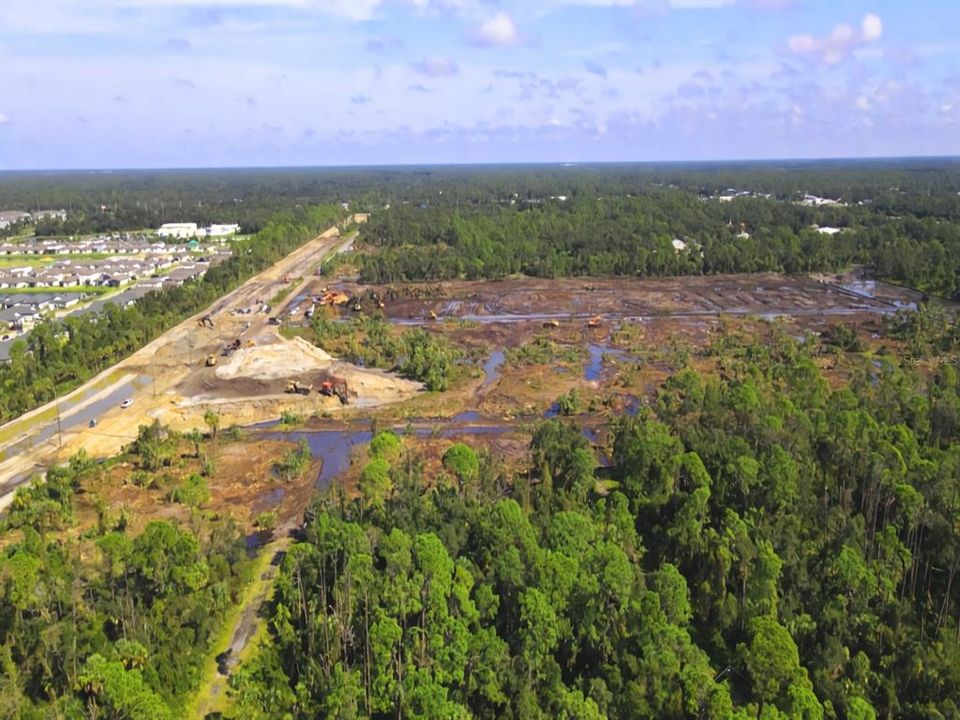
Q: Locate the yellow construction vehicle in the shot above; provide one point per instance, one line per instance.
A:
(211, 360)
(298, 388)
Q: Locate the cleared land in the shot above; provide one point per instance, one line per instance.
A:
(174, 369)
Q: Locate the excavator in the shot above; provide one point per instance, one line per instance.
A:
(206, 321)
(335, 386)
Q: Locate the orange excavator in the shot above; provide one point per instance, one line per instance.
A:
(335, 386)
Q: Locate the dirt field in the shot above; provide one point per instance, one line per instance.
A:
(517, 299)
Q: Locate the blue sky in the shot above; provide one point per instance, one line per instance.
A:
(186, 83)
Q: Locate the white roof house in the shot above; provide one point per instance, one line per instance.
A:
(827, 230)
(221, 230)
(178, 230)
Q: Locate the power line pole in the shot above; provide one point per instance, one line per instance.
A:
(59, 429)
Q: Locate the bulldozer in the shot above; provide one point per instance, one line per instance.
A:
(211, 360)
(298, 388)
(335, 386)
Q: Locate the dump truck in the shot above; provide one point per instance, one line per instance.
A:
(299, 388)
(211, 360)
(335, 386)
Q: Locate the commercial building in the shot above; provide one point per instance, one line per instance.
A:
(178, 230)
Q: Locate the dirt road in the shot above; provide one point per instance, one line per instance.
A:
(154, 377)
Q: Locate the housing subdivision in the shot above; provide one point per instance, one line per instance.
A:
(40, 278)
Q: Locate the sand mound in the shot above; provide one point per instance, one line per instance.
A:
(282, 359)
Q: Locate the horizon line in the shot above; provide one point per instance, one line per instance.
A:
(543, 163)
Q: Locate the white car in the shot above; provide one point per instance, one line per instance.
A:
(126, 403)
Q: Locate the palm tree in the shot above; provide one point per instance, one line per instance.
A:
(212, 420)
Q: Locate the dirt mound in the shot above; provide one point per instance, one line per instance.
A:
(283, 359)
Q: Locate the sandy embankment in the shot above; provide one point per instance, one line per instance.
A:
(250, 385)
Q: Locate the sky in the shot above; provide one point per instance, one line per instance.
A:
(234, 83)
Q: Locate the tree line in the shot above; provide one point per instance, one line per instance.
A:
(636, 236)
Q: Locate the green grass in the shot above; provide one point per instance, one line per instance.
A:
(281, 295)
(7, 261)
(86, 289)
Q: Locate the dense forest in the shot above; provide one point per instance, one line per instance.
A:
(56, 356)
(124, 200)
(771, 548)
(634, 236)
(758, 545)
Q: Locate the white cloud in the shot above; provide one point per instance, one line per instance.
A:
(871, 27)
(498, 30)
(4, 119)
(840, 43)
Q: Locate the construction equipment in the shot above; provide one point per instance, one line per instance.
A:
(551, 323)
(595, 322)
(334, 298)
(206, 321)
(211, 360)
(335, 386)
(299, 388)
(231, 348)
(431, 315)
(250, 343)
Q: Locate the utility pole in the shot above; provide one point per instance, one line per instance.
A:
(59, 429)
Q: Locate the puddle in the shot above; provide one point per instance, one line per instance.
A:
(595, 364)
(491, 369)
(331, 446)
(467, 416)
(258, 539)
